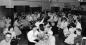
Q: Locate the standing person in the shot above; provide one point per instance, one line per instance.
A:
(51, 36)
(79, 40)
(7, 25)
(13, 34)
(72, 35)
(51, 19)
(41, 36)
(7, 39)
(32, 36)
(16, 29)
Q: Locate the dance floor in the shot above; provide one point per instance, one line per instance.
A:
(24, 41)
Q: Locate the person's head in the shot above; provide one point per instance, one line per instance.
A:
(53, 23)
(64, 19)
(78, 32)
(8, 37)
(41, 26)
(49, 13)
(71, 25)
(7, 25)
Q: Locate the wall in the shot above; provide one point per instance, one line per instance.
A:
(36, 3)
(61, 3)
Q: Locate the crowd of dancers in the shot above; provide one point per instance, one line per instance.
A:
(43, 27)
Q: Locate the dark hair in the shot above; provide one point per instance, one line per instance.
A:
(8, 33)
(71, 24)
(41, 27)
(50, 24)
(64, 19)
(10, 27)
(45, 23)
(79, 29)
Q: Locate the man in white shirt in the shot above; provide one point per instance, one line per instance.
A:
(31, 35)
(7, 39)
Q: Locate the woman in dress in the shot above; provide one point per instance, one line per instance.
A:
(32, 36)
(50, 34)
(16, 29)
(72, 35)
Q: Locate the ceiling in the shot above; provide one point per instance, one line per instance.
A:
(36, 3)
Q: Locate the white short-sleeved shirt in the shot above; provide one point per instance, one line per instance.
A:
(3, 42)
(31, 37)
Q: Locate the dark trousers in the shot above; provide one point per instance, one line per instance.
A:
(30, 43)
(14, 42)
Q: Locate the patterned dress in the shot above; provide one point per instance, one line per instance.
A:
(71, 37)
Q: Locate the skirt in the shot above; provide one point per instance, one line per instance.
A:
(70, 39)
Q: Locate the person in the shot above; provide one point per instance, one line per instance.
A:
(51, 36)
(10, 30)
(7, 39)
(39, 22)
(66, 32)
(5, 30)
(78, 40)
(8, 21)
(16, 29)
(51, 17)
(31, 37)
(45, 36)
(72, 35)
(64, 23)
(41, 36)
(29, 18)
(59, 22)
(55, 18)
(7, 25)
(54, 28)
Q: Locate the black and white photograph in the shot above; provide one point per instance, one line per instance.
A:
(42, 22)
